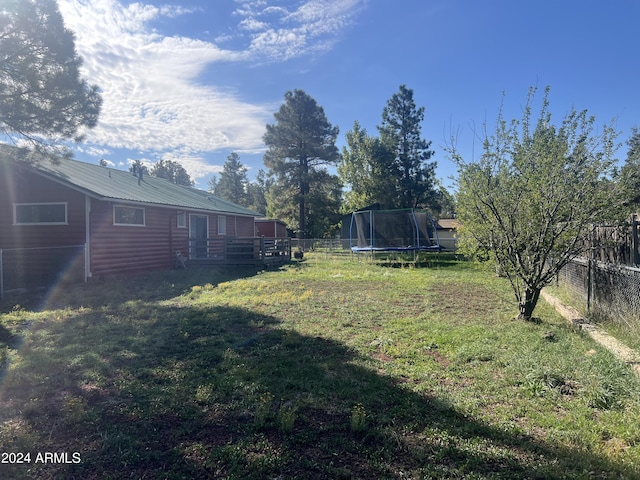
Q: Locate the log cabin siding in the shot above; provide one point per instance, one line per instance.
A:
(245, 227)
(24, 188)
(124, 248)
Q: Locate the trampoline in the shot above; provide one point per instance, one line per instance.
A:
(405, 230)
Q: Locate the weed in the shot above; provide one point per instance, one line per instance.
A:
(358, 420)
(263, 410)
(204, 394)
(286, 417)
(74, 409)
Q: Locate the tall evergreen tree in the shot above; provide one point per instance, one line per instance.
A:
(233, 182)
(301, 143)
(43, 98)
(172, 171)
(322, 205)
(400, 133)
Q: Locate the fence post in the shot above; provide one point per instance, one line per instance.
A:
(634, 239)
(1, 276)
(590, 257)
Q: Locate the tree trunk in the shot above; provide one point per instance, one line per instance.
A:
(304, 190)
(301, 218)
(528, 304)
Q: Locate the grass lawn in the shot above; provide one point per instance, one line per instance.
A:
(323, 369)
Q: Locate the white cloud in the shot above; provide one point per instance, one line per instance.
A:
(280, 34)
(95, 152)
(154, 102)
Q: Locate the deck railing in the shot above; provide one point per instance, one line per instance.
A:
(240, 250)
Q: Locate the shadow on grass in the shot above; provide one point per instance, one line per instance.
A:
(221, 392)
(152, 286)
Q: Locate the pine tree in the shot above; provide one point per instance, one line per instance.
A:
(172, 171)
(400, 133)
(44, 100)
(301, 143)
(233, 183)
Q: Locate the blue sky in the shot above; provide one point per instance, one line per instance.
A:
(192, 81)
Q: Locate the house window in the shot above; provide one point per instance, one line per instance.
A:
(132, 216)
(181, 220)
(40, 214)
(222, 225)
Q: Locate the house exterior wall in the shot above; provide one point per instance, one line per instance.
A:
(245, 226)
(125, 248)
(24, 188)
(40, 254)
(447, 239)
(270, 228)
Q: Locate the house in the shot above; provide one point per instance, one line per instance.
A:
(103, 221)
(446, 229)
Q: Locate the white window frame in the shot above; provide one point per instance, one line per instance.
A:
(222, 225)
(16, 206)
(181, 220)
(144, 219)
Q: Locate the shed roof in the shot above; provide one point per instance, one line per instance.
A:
(111, 184)
(448, 223)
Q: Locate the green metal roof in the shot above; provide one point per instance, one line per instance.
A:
(117, 185)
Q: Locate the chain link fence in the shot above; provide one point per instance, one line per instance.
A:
(30, 268)
(607, 284)
(605, 289)
(330, 246)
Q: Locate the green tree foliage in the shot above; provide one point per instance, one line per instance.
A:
(233, 182)
(446, 202)
(138, 166)
(300, 145)
(531, 199)
(630, 174)
(393, 169)
(322, 204)
(256, 193)
(43, 98)
(172, 171)
(364, 169)
(400, 133)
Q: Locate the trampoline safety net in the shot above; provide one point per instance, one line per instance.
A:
(379, 230)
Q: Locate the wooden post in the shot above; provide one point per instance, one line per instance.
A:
(261, 249)
(634, 239)
(590, 266)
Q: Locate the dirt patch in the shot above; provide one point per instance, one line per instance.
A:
(615, 346)
(438, 357)
(383, 357)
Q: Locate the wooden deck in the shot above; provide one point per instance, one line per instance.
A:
(258, 251)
